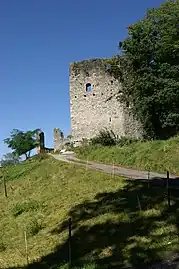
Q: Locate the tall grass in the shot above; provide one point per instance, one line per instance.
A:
(158, 155)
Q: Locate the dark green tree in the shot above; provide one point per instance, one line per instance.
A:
(150, 70)
(22, 142)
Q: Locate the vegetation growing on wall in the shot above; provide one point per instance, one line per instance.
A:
(88, 65)
(119, 68)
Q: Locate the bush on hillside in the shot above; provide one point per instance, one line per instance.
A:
(108, 138)
(40, 157)
(125, 141)
(33, 226)
(31, 205)
(105, 138)
(85, 142)
(2, 246)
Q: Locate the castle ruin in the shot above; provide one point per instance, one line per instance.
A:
(94, 105)
(58, 139)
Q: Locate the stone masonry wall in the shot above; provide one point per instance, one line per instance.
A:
(58, 139)
(99, 108)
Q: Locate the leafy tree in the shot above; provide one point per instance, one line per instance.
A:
(22, 142)
(150, 67)
(9, 159)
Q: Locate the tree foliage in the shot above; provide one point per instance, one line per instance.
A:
(22, 142)
(9, 159)
(150, 70)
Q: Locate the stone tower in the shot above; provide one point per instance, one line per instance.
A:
(93, 102)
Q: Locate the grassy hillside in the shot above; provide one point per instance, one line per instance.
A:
(108, 229)
(158, 156)
(41, 192)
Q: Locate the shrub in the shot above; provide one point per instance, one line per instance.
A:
(17, 210)
(33, 226)
(85, 142)
(40, 157)
(69, 146)
(32, 205)
(125, 141)
(105, 138)
(2, 246)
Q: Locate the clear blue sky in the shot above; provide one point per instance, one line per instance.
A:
(39, 38)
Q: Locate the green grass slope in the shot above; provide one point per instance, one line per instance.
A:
(157, 156)
(114, 221)
(41, 192)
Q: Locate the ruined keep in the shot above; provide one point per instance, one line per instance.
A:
(93, 102)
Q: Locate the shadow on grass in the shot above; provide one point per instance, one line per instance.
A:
(127, 239)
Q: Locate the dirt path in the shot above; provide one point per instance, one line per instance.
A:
(110, 169)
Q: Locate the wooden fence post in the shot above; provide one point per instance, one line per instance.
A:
(69, 243)
(26, 247)
(139, 204)
(148, 178)
(5, 188)
(113, 171)
(86, 164)
(168, 188)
